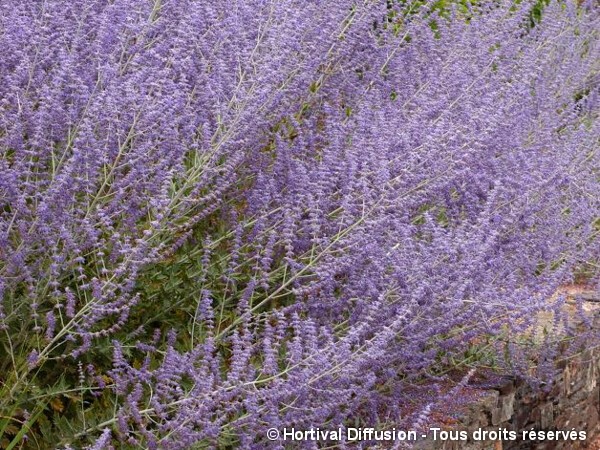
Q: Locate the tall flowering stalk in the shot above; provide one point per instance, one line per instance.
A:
(355, 190)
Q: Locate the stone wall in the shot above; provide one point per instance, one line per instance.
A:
(571, 403)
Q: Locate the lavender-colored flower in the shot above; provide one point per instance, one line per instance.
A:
(370, 195)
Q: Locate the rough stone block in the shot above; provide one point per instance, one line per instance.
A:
(505, 409)
(546, 416)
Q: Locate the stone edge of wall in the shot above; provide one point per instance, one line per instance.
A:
(571, 402)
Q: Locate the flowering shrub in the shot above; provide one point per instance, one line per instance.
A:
(220, 218)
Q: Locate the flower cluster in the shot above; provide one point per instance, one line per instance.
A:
(358, 188)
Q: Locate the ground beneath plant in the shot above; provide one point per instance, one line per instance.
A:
(595, 445)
